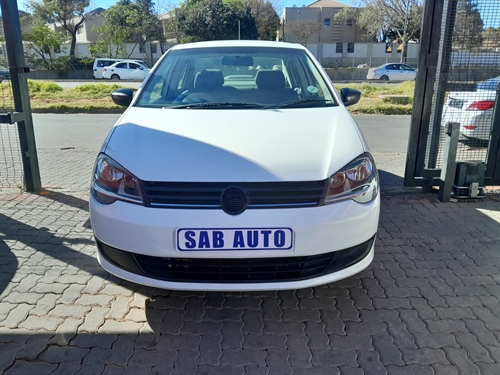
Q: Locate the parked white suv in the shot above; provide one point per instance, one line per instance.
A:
(101, 63)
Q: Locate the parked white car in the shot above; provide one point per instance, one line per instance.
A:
(223, 177)
(135, 71)
(392, 72)
(473, 110)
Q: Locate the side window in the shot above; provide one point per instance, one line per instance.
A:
(135, 66)
(326, 22)
(121, 65)
(407, 67)
(391, 67)
(350, 47)
(103, 63)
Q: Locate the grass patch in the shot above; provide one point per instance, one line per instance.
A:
(370, 102)
(43, 87)
(99, 89)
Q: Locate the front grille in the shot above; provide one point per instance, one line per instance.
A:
(244, 270)
(208, 194)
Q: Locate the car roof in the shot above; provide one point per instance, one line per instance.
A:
(238, 43)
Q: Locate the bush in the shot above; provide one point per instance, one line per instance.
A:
(43, 86)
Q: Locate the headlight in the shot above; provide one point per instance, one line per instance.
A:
(358, 181)
(112, 182)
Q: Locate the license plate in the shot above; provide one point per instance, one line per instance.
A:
(219, 239)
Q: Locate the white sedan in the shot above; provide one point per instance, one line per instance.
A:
(392, 72)
(473, 110)
(134, 71)
(259, 181)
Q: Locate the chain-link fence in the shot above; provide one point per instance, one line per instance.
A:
(467, 79)
(11, 167)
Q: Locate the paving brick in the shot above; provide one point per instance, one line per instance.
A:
(265, 341)
(491, 303)
(444, 370)
(476, 352)
(286, 328)
(318, 339)
(435, 340)
(122, 350)
(366, 328)
(483, 335)
(69, 311)
(90, 340)
(301, 315)
(252, 322)
(277, 361)
(410, 370)
(272, 309)
(71, 294)
(17, 298)
(300, 354)
(351, 342)
(389, 354)
(119, 307)
(255, 370)
(446, 326)
(424, 356)
(94, 285)
(184, 341)
(369, 361)
(214, 300)
(100, 300)
(45, 304)
(379, 315)
(463, 301)
(66, 331)
(360, 299)
(243, 357)
(458, 357)
(43, 288)
(373, 288)
(173, 321)
(391, 303)
(317, 370)
(232, 335)
(24, 367)
(488, 369)
(17, 315)
(220, 315)
(334, 358)
(142, 357)
(67, 369)
(494, 352)
(432, 297)
(9, 352)
(56, 354)
(95, 361)
(424, 311)
(485, 315)
(402, 338)
(210, 350)
(116, 327)
(226, 369)
(194, 309)
(38, 322)
(27, 283)
(332, 322)
(247, 303)
(35, 345)
(185, 362)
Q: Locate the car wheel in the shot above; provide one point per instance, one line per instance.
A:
(115, 77)
(384, 78)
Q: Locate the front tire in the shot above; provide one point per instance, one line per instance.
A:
(115, 77)
(384, 78)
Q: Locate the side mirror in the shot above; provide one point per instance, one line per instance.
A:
(122, 97)
(350, 96)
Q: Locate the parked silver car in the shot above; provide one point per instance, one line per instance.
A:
(392, 72)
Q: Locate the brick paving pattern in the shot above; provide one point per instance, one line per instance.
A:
(428, 304)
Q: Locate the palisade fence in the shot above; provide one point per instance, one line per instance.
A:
(11, 166)
(458, 81)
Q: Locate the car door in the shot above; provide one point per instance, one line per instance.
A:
(392, 71)
(137, 72)
(408, 72)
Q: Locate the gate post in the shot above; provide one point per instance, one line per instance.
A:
(15, 53)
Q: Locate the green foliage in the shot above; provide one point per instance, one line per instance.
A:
(97, 90)
(215, 20)
(63, 12)
(267, 20)
(43, 87)
(467, 34)
(41, 40)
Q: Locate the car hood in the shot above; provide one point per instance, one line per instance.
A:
(234, 145)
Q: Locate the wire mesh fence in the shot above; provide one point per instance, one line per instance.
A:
(11, 167)
(467, 79)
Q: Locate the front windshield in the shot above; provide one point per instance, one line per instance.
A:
(236, 77)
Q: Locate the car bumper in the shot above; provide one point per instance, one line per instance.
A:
(472, 124)
(137, 243)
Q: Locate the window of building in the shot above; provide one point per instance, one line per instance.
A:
(349, 23)
(142, 47)
(338, 47)
(57, 49)
(154, 47)
(350, 47)
(326, 22)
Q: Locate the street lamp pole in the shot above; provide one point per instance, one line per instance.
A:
(404, 32)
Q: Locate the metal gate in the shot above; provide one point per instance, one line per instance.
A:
(457, 81)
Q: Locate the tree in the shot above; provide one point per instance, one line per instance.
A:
(200, 20)
(42, 41)
(491, 38)
(304, 29)
(388, 20)
(68, 13)
(467, 34)
(267, 20)
(127, 21)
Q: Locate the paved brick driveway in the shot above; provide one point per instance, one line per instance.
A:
(428, 304)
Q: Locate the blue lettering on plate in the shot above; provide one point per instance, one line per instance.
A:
(218, 239)
(204, 240)
(266, 234)
(190, 241)
(238, 241)
(279, 238)
(252, 238)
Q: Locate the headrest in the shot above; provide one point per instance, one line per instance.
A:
(209, 79)
(270, 79)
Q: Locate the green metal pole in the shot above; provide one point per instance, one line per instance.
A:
(15, 53)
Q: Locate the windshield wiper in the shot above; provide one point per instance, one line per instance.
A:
(297, 103)
(215, 105)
